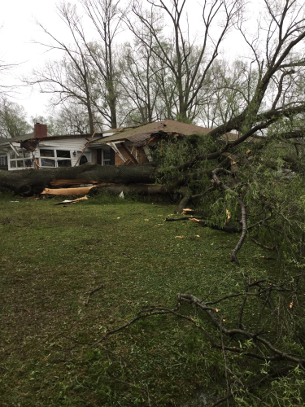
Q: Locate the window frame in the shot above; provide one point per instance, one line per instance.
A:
(56, 157)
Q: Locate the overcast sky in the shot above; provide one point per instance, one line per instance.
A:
(18, 32)
(18, 35)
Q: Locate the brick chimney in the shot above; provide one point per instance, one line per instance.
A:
(40, 130)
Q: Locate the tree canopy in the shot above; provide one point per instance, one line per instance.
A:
(13, 121)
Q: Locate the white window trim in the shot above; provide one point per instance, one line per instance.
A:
(54, 158)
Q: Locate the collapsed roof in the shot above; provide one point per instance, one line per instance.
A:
(140, 135)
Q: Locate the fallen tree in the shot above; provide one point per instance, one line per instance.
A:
(33, 181)
(112, 188)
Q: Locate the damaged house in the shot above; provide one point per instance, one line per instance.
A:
(122, 159)
(117, 146)
(133, 145)
(41, 150)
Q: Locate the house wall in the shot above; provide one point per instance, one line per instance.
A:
(72, 145)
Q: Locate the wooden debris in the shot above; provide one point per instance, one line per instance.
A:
(187, 211)
(196, 220)
(71, 201)
(67, 191)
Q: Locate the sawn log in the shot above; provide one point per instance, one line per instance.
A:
(34, 181)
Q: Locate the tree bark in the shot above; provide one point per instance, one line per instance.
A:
(32, 181)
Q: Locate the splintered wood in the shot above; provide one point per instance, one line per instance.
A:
(67, 191)
(196, 220)
(187, 211)
(71, 201)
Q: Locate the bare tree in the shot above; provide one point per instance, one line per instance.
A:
(231, 87)
(105, 16)
(142, 75)
(70, 78)
(188, 63)
(72, 118)
(86, 73)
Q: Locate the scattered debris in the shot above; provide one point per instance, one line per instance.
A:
(196, 220)
(72, 201)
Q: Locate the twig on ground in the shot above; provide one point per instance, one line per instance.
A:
(92, 292)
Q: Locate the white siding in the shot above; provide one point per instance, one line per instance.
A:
(74, 145)
(71, 144)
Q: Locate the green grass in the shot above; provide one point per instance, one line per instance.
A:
(52, 256)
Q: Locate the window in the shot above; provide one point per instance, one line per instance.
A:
(23, 160)
(55, 158)
(106, 157)
(46, 153)
(45, 162)
(49, 158)
(63, 153)
(3, 161)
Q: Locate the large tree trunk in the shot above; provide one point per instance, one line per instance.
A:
(28, 182)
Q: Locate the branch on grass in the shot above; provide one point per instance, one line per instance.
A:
(243, 233)
(217, 320)
(92, 292)
(141, 315)
(206, 223)
(262, 245)
(264, 349)
(223, 186)
(186, 197)
(255, 384)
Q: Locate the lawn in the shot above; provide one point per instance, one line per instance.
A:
(71, 273)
